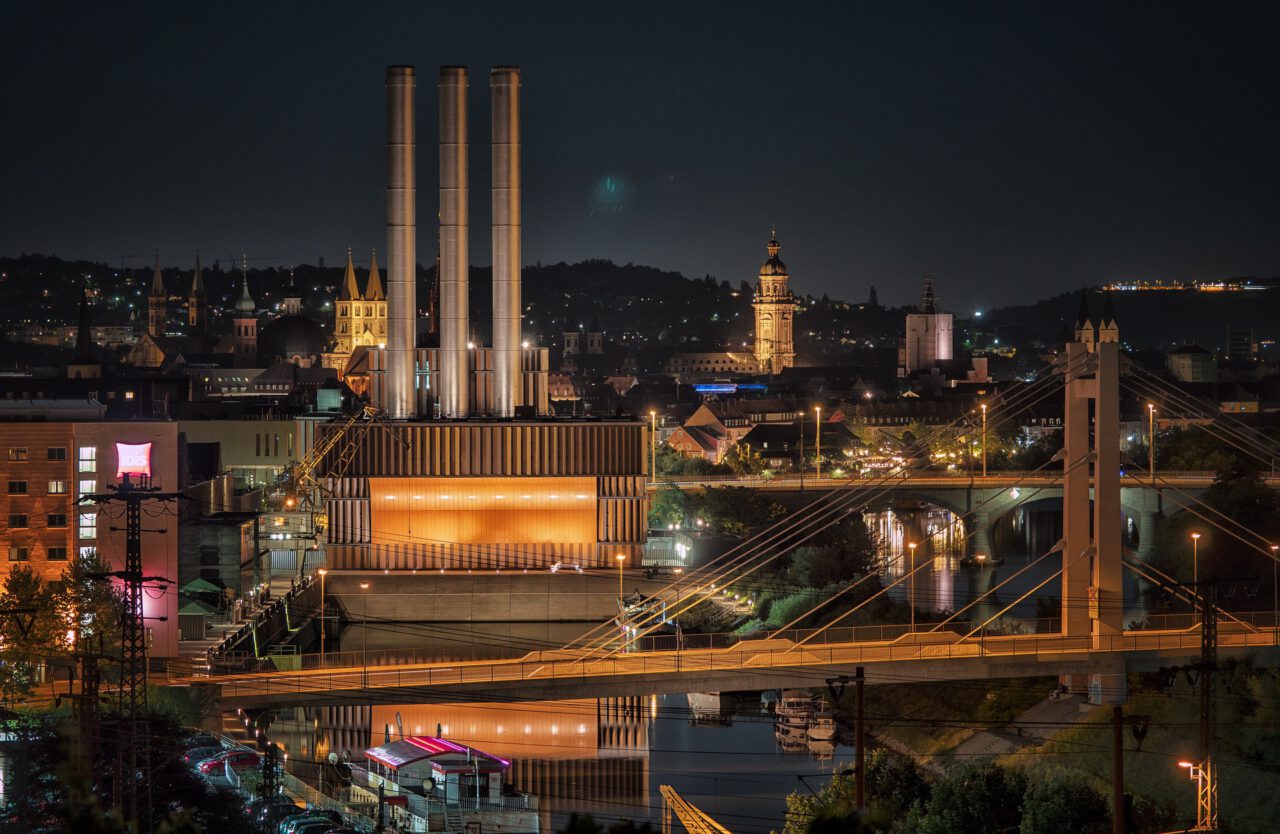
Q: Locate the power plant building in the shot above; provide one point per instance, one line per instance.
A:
(470, 470)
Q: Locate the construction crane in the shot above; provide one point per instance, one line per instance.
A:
(300, 487)
(694, 820)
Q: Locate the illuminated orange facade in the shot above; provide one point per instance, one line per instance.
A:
(516, 494)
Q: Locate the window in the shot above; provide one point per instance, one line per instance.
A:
(88, 458)
(19, 554)
(17, 520)
(17, 487)
(57, 487)
(57, 520)
(89, 526)
(87, 486)
(17, 453)
(57, 453)
(88, 551)
(56, 554)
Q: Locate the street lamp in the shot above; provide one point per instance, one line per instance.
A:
(1275, 590)
(1195, 561)
(1206, 794)
(1151, 441)
(323, 573)
(984, 440)
(364, 627)
(911, 585)
(622, 558)
(653, 445)
(679, 633)
(817, 423)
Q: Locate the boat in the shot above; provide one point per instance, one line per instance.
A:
(822, 750)
(795, 702)
(822, 724)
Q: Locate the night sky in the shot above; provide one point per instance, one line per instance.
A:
(1014, 150)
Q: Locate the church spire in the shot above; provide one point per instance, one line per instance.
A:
(350, 290)
(157, 280)
(928, 301)
(373, 290)
(246, 303)
(197, 302)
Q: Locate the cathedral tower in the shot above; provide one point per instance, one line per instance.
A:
(157, 302)
(775, 309)
(245, 333)
(197, 303)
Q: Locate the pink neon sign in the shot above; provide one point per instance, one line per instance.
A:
(133, 459)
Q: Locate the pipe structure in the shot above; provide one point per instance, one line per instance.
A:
(402, 229)
(504, 84)
(454, 233)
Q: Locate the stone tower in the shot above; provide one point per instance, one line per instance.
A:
(157, 302)
(245, 332)
(197, 303)
(775, 309)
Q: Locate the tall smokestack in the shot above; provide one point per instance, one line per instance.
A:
(504, 83)
(398, 392)
(454, 262)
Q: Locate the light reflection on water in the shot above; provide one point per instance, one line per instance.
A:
(606, 757)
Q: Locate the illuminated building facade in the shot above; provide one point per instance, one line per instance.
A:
(928, 336)
(775, 310)
(360, 317)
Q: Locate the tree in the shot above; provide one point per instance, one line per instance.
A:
(669, 505)
(974, 799)
(736, 510)
(1059, 804)
(744, 461)
(28, 632)
(90, 603)
(894, 782)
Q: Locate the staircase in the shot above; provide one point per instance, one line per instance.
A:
(452, 819)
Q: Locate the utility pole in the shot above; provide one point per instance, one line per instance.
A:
(1207, 791)
(860, 739)
(134, 747)
(1139, 724)
(270, 773)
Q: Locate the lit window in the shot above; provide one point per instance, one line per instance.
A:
(57, 488)
(87, 486)
(87, 551)
(19, 554)
(88, 458)
(89, 526)
(17, 453)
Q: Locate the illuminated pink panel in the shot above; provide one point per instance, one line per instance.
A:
(133, 459)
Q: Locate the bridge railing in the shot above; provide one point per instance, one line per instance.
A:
(745, 658)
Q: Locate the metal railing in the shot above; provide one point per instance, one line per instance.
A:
(742, 658)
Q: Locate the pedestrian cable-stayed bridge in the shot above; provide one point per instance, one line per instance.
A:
(1090, 639)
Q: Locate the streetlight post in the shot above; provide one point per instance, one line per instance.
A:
(1275, 590)
(364, 626)
(911, 585)
(679, 633)
(653, 446)
(323, 573)
(1151, 442)
(622, 606)
(1195, 562)
(817, 424)
(984, 441)
(1206, 794)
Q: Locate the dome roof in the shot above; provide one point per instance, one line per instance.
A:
(774, 264)
(290, 336)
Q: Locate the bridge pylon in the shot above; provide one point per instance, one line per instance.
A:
(1093, 566)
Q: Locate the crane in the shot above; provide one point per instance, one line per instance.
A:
(694, 820)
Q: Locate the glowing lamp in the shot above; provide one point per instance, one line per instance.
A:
(133, 459)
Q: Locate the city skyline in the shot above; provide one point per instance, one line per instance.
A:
(993, 150)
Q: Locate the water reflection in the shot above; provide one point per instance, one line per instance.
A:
(604, 756)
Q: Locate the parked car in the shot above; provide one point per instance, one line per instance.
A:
(201, 740)
(213, 765)
(241, 760)
(196, 755)
(316, 821)
(269, 812)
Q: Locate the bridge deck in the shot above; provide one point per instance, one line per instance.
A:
(549, 675)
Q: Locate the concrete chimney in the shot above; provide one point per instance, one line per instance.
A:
(454, 256)
(402, 306)
(504, 83)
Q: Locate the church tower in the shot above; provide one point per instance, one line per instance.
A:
(375, 308)
(157, 302)
(775, 309)
(197, 303)
(291, 305)
(244, 335)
